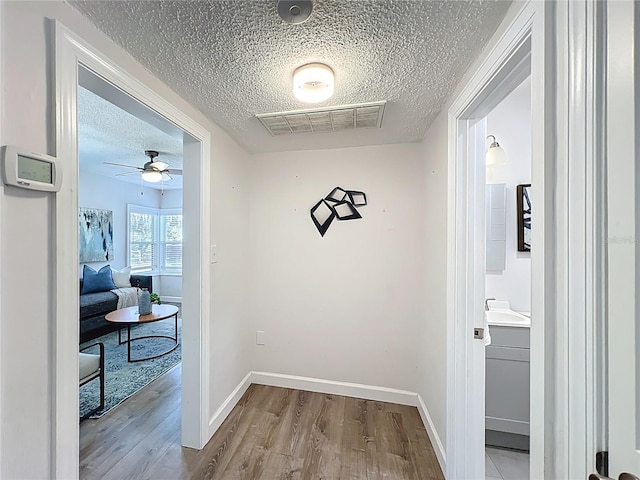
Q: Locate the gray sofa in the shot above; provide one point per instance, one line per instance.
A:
(94, 307)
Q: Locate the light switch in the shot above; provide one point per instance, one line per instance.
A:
(213, 254)
(259, 337)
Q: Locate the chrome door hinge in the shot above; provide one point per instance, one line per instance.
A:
(602, 463)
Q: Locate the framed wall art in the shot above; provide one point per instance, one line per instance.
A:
(96, 235)
(524, 217)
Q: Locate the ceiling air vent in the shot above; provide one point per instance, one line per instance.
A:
(332, 119)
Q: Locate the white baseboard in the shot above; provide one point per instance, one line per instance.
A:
(433, 434)
(225, 409)
(167, 298)
(355, 390)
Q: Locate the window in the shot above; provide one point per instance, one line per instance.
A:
(143, 238)
(155, 239)
(170, 241)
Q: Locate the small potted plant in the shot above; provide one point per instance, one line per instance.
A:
(155, 298)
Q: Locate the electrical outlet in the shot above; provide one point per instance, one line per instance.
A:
(259, 337)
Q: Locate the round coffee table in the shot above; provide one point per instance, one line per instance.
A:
(129, 316)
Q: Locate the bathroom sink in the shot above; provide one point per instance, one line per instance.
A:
(507, 318)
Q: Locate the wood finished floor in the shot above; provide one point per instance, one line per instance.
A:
(273, 433)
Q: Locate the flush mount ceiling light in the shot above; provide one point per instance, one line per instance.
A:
(496, 154)
(313, 83)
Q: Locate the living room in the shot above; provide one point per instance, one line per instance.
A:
(130, 199)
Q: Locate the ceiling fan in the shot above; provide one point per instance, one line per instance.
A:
(153, 171)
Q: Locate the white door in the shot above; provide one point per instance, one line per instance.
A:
(623, 142)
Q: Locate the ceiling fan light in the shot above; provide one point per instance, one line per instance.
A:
(152, 176)
(313, 83)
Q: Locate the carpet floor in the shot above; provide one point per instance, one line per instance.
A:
(123, 379)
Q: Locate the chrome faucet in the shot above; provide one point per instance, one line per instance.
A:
(486, 304)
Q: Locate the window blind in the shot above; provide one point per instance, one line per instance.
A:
(155, 240)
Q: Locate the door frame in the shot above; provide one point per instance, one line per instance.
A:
(70, 52)
(568, 294)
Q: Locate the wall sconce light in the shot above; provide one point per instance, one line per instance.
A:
(495, 154)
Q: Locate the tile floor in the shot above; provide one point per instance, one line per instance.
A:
(506, 464)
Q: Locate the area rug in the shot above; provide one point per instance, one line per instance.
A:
(124, 379)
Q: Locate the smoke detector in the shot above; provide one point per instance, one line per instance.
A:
(295, 11)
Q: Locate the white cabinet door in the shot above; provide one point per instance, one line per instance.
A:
(623, 141)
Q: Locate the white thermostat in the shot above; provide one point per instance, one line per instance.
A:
(35, 171)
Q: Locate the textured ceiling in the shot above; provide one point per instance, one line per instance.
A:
(234, 59)
(106, 133)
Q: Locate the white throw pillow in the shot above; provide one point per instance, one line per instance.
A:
(121, 277)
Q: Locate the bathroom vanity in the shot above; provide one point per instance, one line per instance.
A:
(507, 387)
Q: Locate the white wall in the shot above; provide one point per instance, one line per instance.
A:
(170, 199)
(345, 306)
(510, 122)
(432, 334)
(26, 226)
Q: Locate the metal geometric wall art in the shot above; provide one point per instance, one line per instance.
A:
(346, 211)
(339, 204)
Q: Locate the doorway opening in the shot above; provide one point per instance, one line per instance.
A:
(142, 248)
(74, 58)
(508, 286)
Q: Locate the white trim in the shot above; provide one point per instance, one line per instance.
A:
(232, 400)
(196, 294)
(507, 425)
(436, 442)
(568, 262)
(70, 51)
(65, 405)
(2, 389)
(357, 390)
(579, 160)
(622, 234)
(542, 403)
(167, 298)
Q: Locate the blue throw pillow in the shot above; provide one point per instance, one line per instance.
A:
(100, 281)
